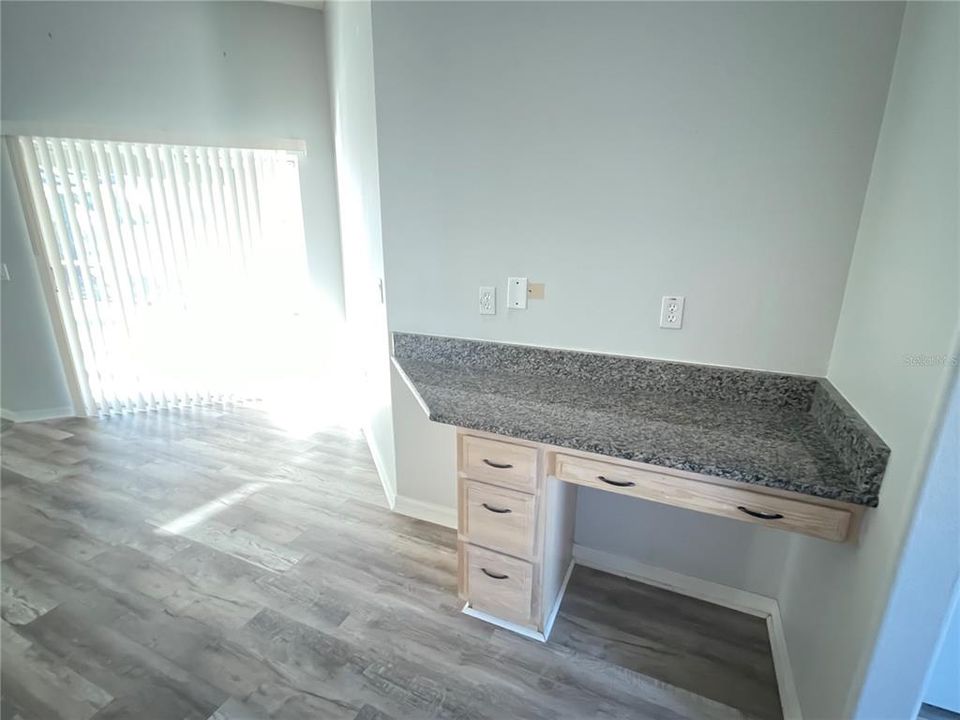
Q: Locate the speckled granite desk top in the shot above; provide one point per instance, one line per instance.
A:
(780, 431)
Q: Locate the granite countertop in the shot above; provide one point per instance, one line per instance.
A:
(779, 431)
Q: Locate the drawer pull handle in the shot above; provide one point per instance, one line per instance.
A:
(496, 509)
(498, 466)
(761, 515)
(616, 483)
(495, 576)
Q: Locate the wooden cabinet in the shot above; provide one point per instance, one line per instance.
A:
(501, 463)
(499, 584)
(505, 569)
(706, 496)
(498, 518)
(517, 502)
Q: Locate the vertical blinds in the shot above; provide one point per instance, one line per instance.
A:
(172, 264)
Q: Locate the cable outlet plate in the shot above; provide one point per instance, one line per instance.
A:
(671, 312)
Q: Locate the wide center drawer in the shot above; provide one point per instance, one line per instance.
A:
(498, 584)
(809, 518)
(498, 462)
(498, 518)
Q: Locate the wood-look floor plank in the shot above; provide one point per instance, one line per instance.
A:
(22, 600)
(143, 682)
(38, 684)
(206, 564)
(12, 543)
(234, 709)
(691, 643)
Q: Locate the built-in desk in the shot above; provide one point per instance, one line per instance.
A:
(782, 451)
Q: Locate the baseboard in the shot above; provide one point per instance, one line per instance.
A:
(18, 416)
(748, 602)
(505, 624)
(552, 617)
(789, 699)
(431, 512)
(716, 593)
(389, 489)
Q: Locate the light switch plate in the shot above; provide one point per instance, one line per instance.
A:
(671, 312)
(488, 300)
(517, 293)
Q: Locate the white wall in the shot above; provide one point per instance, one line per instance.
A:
(943, 683)
(927, 585)
(426, 460)
(711, 548)
(619, 152)
(31, 375)
(234, 70)
(352, 97)
(569, 142)
(907, 247)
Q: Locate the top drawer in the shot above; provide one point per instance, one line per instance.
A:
(774, 511)
(500, 463)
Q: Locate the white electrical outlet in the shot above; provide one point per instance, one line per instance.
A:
(488, 300)
(517, 293)
(671, 312)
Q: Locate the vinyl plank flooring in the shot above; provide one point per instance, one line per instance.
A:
(239, 543)
(691, 643)
(142, 682)
(22, 601)
(12, 543)
(38, 684)
(234, 709)
(206, 564)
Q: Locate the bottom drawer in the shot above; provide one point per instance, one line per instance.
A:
(498, 584)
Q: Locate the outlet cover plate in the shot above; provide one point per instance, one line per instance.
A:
(671, 312)
(488, 300)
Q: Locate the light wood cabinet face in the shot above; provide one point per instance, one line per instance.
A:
(500, 463)
(498, 518)
(741, 504)
(499, 585)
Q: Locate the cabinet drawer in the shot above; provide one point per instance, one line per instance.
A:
(499, 519)
(498, 584)
(498, 462)
(773, 511)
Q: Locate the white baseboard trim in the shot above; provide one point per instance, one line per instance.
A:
(505, 624)
(789, 699)
(431, 512)
(389, 489)
(18, 416)
(716, 593)
(552, 617)
(748, 602)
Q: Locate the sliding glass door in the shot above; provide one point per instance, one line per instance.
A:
(177, 271)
